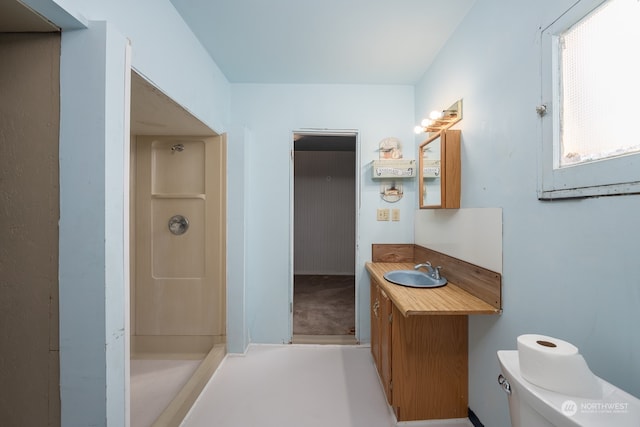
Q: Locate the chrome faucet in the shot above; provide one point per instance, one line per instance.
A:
(426, 265)
(433, 271)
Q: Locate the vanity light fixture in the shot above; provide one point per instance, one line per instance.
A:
(436, 115)
(437, 121)
(440, 120)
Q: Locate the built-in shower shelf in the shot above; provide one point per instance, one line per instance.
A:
(177, 196)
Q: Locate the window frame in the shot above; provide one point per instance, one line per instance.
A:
(606, 177)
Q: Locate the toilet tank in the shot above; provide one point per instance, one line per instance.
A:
(532, 406)
(522, 414)
(525, 408)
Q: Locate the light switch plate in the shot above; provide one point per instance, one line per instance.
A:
(395, 214)
(383, 214)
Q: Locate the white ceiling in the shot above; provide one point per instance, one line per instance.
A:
(328, 41)
(297, 41)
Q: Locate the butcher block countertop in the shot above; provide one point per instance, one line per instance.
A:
(446, 300)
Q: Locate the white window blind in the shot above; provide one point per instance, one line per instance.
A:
(600, 89)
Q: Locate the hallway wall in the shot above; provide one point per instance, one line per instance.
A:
(324, 212)
(29, 123)
(570, 266)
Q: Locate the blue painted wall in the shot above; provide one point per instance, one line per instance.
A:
(92, 283)
(570, 267)
(237, 239)
(272, 113)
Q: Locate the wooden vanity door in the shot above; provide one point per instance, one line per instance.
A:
(385, 344)
(375, 326)
(430, 366)
(381, 307)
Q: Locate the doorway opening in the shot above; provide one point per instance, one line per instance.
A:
(324, 237)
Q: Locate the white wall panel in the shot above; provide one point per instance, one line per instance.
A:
(473, 235)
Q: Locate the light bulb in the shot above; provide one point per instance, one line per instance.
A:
(435, 115)
(425, 123)
(418, 130)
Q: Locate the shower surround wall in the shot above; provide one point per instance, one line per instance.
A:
(178, 295)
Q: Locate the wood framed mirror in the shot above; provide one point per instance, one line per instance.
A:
(439, 171)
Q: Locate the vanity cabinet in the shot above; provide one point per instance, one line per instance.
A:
(420, 350)
(439, 171)
(421, 360)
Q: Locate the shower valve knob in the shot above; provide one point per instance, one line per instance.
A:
(178, 225)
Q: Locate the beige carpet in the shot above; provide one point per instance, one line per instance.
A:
(324, 305)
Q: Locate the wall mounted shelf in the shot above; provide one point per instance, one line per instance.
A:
(397, 168)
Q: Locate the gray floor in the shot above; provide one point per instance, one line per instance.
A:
(297, 386)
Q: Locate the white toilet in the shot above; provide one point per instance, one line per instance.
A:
(533, 406)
